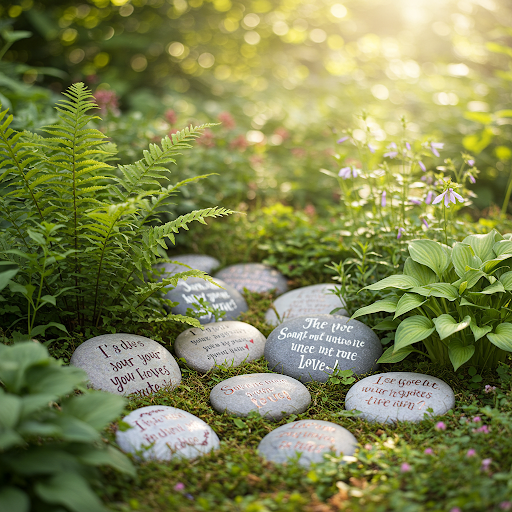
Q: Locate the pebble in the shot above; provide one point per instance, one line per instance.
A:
(256, 277)
(195, 261)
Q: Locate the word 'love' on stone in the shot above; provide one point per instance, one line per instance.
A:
(124, 364)
(309, 438)
(399, 396)
(273, 395)
(311, 348)
(188, 291)
(224, 343)
(195, 261)
(255, 277)
(159, 432)
(316, 299)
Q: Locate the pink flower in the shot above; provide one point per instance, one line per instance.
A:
(368, 446)
(486, 463)
(371, 148)
(428, 199)
(506, 505)
(449, 196)
(440, 425)
(408, 146)
(207, 139)
(425, 223)
(422, 166)
(343, 139)
(239, 142)
(348, 172)
(107, 101)
(400, 231)
(471, 162)
(383, 199)
(417, 202)
(455, 509)
(227, 120)
(489, 389)
(179, 486)
(484, 429)
(471, 453)
(428, 451)
(477, 419)
(170, 116)
(471, 178)
(434, 146)
(404, 468)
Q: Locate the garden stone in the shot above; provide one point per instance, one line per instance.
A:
(309, 438)
(273, 395)
(225, 299)
(163, 433)
(399, 396)
(227, 343)
(307, 301)
(255, 277)
(126, 364)
(310, 347)
(195, 261)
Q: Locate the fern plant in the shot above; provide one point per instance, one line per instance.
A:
(106, 221)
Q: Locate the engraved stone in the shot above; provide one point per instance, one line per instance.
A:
(310, 348)
(126, 363)
(223, 343)
(399, 396)
(273, 395)
(188, 291)
(255, 277)
(195, 261)
(160, 432)
(309, 438)
(311, 300)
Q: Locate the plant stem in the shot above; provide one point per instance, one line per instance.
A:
(507, 196)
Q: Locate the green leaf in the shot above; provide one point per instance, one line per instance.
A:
(411, 330)
(6, 274)
(388, 305)
(496, 287)
(239, 423)
(482, 245)
(502, 337)
(10, 405)
(109, 456)
(443, 290)
(479, 332)
(502, 247)
(408, 302)
(463, 256)
(430, 254)
(506, 280)
(423, 274)
(479, 117)
(390, 356)
(465, 302)
(41, 329)
(471, 278)
(446, 325)
(401, 282)
(388, 324)
(13, 499)
(490, 265)
(459, 354)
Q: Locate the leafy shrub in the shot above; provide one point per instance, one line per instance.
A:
(48, 450)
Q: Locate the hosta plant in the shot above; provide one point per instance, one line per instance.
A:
(452, 304)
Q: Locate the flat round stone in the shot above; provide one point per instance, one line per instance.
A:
(309, 438)
(126, 363)
(188, 291)
(195, 261)
(310, 347)
(227, 343)
(160, 432)
(256, 277)
(316, 299)
(399, 396)
(273, 395)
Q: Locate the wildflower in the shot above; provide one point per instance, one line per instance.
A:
(189, 496)
(440, 425)
(477, 419)
(391, 154)
(489, 389)
(484, 429)
(425, 223)
(471, 453)
(343, 139)
(428, 451)
(400, 231)
(471, 162)
(347, 171)
(428, 199)
(449, 197)
(371, 148)
(282, 132)
(471, 178)
(207, 139)
(368, 446)
(383, 199)
(506, 505)
(107, 101)
(239, 142)
(179, 486)
(227, 120)
(404, 468)
(408, 146)
(485, 464)
(417, 202)
(434, 146)
(455, 509)
(170, 116)
(422, 166)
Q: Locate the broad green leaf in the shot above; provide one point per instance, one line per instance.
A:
(401, 282)
(446, 325)
(490, 265)
(388, 305)
(496, 287)
(443, 290)
(10, 438)
(459, 354)
(482, 245)
(462, 257)
(478, 332)
(411, 330)
(462, 287)
(479, 117)
(471, 278)
(41, 329)
(13, 499)
(431, 254)
(506, 281)
(10, 409)
(43, 460)
(109, 456)
(502, 247)
(423, 274)
(408, 302)
(7, 272)
(465, 302)
(502, 337)
(395, 357)
(59, 383)
(388, 324)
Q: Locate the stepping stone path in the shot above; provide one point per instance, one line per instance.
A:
(224, 343)
(195, 261)
(310, 438)
(399, 396)
(163, 433)
(123, 364)
(310, 348)
(255, 277)
(273, 395)
(307, 301)
(188, 291)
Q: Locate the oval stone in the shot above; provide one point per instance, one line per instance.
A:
(124, 364)
(163, 433)
(309, 438)
(256, 277)
(188, 291)
(316, 299)
(399, 396)
(221, 343)
(273, 395)
(310, 347)
(195, 261)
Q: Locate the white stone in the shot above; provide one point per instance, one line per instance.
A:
(256, 277)
(126, 363)
(195, 261)
(163, 433)
(399, 396)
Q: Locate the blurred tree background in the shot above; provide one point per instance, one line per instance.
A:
(283, 75)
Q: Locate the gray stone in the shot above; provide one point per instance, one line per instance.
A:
(223, 343)
(310, 348)
(273, 395)
(309, 438)
(399, 396)
(195, 261)
(255, 277)
(163, 433)
(225, 299)
(126, 363)
(311, 300)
